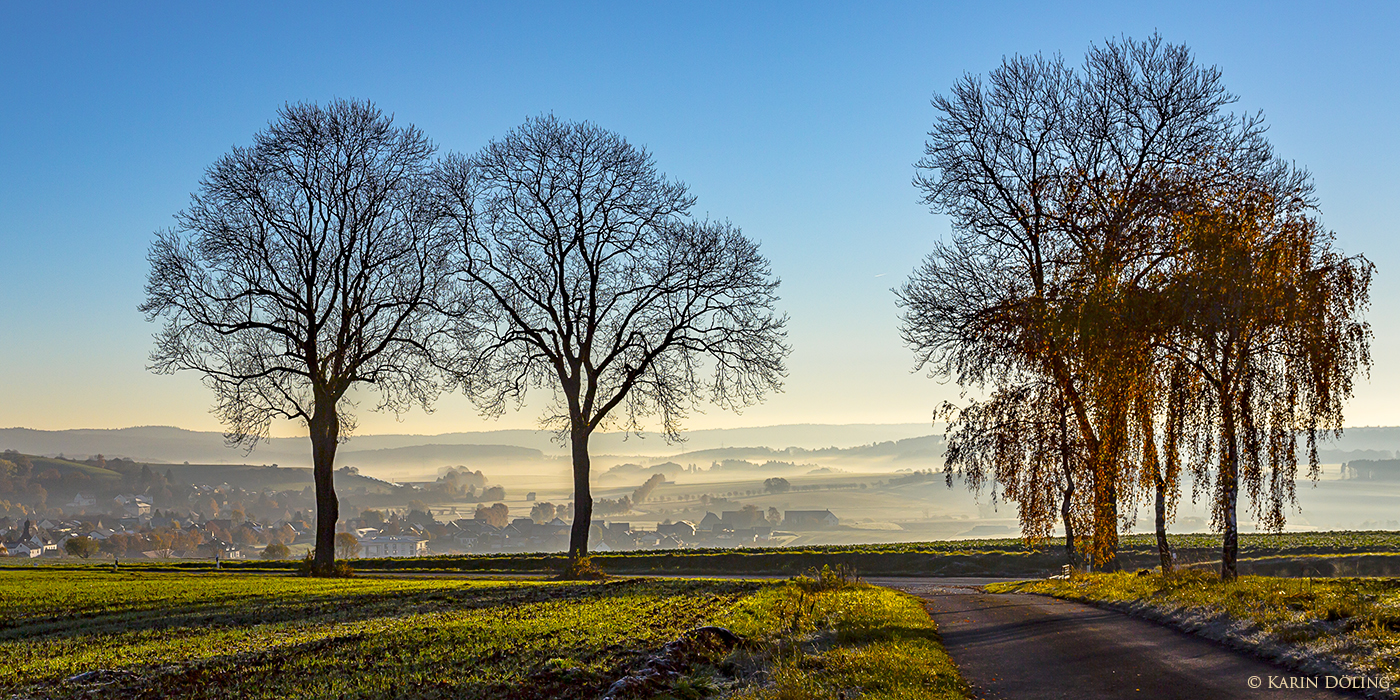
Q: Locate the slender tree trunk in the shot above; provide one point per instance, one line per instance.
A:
(1164, 548)
(1229, 491)
(1067, 503)
(325, 436)
(583, 497)
(1103, 554)
(1159, 482)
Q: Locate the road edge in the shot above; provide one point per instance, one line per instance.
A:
(1228, 632)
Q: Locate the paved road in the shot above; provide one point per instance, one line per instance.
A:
(1026, 647)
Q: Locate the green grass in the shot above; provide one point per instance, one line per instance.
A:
(1351, 622)
(852, 640)
(64, 466)
(159, 634)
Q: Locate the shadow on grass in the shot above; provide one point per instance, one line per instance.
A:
(421, 659)
(335, 608)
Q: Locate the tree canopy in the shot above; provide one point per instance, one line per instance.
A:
(589, 277)
(304, 265)
(1072, 288)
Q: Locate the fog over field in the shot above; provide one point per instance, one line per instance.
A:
(884, 481)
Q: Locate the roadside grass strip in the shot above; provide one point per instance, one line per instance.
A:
(90, 634)
(1321, 626)
(860, 640)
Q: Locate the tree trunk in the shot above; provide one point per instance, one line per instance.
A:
(1069, 522)
(1164, 548)
(1159, 481)
(1105, 555)
(1229, 492)
(583, 497)
(325, 436)
(1067, 503)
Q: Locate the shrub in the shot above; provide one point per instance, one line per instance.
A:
(81, 546)
(581, 570)
(277, 550)
(828, 579)
(338, 569)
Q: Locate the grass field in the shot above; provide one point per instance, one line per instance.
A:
(1288, 554)
(1324, 626)
(98, 634)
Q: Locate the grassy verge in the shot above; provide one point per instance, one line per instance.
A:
(826, 638)
(1336, 626)
(133, 634)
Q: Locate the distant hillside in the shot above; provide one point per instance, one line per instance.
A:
(923, 451)
(420, 457)
(165, 444)
(258, 477)
(65, 467)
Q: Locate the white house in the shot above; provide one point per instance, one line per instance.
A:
(134, 506)
(26, 551)
(81, 501)
(393, 546)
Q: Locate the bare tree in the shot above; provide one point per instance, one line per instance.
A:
(594, 281)
(306, 264)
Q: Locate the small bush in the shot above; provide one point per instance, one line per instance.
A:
(277, 550)
(828, 579)
(582, 569)
(694, 686)
(338, 569)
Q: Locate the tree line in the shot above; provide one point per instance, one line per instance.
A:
(1141, 288)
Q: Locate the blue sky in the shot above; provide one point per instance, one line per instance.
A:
(799, 122)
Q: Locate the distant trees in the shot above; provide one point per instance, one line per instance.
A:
(18, 481)
(277, 550)
(777, 484)
(497, 515)
(306, 264)
(461, 481)
(347, 546)
(585, 274)
(1086, 266)
(543, 512)
(643, 492)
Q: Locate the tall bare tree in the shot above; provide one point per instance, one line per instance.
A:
(589, 277)
(306, 264)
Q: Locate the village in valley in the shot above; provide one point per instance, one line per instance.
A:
(153, 516)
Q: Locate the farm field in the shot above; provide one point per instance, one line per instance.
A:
(68, 633)
(1283, 554)
(1287, 554)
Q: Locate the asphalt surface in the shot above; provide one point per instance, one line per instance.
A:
(1027, 647)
